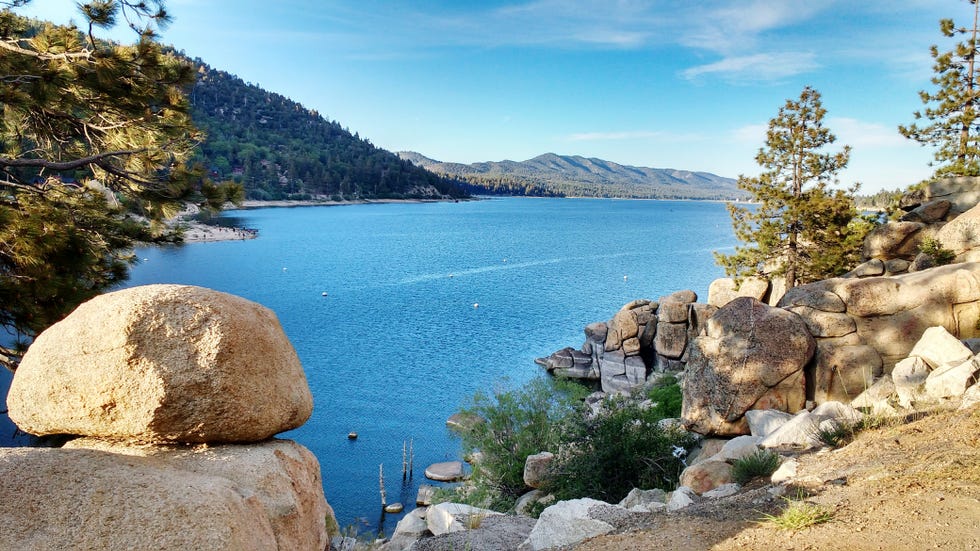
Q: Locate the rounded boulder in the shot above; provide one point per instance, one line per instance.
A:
(162, 363)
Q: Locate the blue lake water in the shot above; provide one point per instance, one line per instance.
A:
(398, 344)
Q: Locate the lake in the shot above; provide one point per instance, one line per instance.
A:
(426, 303)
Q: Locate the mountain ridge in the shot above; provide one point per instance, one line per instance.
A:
(551, 174)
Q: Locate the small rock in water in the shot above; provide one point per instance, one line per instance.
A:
(352, 435)
(394, 508)
(447, 471)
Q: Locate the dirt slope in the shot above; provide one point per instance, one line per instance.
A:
(906, 487)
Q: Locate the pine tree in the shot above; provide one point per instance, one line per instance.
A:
(88, 129)
(954, 107)
(799, 229)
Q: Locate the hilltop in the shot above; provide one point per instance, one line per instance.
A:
(280, 150)
(552, 175)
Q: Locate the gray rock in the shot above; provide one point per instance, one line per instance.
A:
(644, 500)
(763, 422)
(785, 473)
(566, 523)
(444, 518)
(737, 448)
(882, 390)
(909, 377)
(893, 240)
(496, 532)
(928, 213)
(970, 398)
(672, 312)
(952, 379)
(815, 295)
(873, 267)
(680, 498)
(425, 494)
(838, 411)
(536, 468)
(752, 357)
(526, 501)
(671, 339)
(962, 233)
(446, 471)
(683, 297)
(963, 192)
(896, 266)
(938, 347)
(723, 491)
(800, 432)
(408, 531)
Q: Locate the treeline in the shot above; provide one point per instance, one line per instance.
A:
(882, 200)
(497, 184)
(279, 149)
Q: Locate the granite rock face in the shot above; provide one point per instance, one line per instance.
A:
(162, 363)
(752, 357)
(177, 391)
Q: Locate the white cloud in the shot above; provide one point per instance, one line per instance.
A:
(857, 133)
(754, 134)
(756, 67)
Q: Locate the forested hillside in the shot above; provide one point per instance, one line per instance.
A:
(551, 175)
(278, 149)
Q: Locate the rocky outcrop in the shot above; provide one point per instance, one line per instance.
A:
(643, 340)
(864, 327)
(939, 367)
(162, 363)
(159, 380)
(945, 210)
(751, 357)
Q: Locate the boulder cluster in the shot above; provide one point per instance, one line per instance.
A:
(170, 396)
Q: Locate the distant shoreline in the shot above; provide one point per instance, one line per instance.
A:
(200, 232)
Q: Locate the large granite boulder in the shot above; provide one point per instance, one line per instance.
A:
(162, 363)
(724, 290)
(281, 475)
(752, 357)
(893, 240)
(962, 192)
(59, 498)
(963, 233)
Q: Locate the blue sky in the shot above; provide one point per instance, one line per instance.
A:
(683, 84)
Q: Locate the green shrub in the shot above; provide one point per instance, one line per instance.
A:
(668, 396)
(517, 423)
(934, 248)
(607, 455)
(760, 463)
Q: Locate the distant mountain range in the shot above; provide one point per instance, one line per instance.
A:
(552, 175)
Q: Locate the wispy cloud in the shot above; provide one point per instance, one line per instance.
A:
(626, 135)
(756, 67)
(856, 133)
(750, 134)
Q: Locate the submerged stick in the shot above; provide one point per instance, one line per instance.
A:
(381, 484)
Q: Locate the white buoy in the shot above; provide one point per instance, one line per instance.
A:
(450, 275)
(323, 294)
(625, 278)
(505, 260)
(476, 305)
(284, 268)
